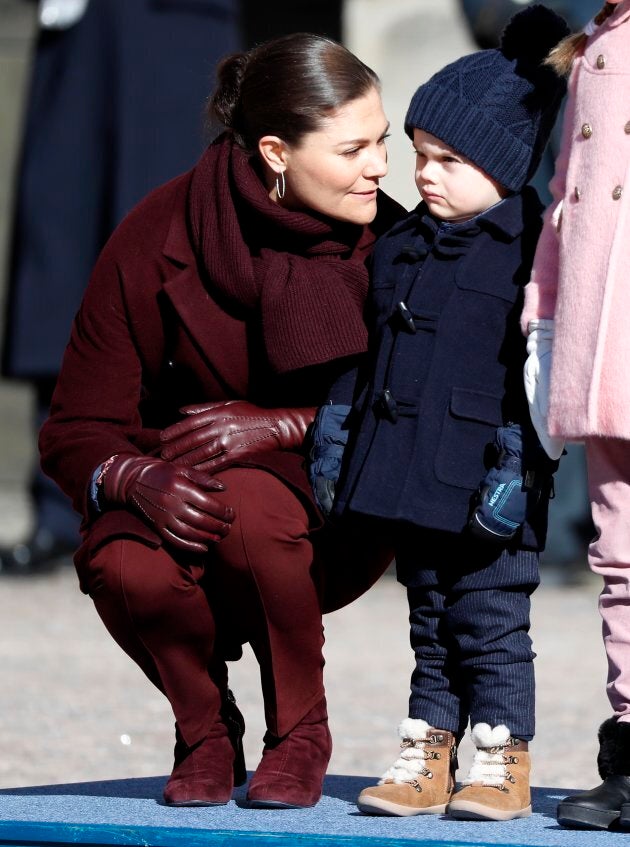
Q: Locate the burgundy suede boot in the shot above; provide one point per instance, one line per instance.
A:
(291, 772)
(205, 773)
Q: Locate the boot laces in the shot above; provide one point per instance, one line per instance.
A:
(410, 765)
(489, 767)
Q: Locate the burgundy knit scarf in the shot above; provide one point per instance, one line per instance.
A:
(303, 277)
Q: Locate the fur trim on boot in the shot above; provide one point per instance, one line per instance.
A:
(608, 804)
(614, 748)
(497, 786)
(421, 780)
(410, 762)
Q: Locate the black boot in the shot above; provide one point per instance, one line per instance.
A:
(600, 808)
(233, 719)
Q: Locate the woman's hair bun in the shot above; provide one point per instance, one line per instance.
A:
(227, 96)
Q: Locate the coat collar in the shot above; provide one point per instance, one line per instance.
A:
(420, 233)
(177, 245)
(508, 217)
(219, 335)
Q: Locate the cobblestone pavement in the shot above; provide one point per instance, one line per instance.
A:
(73, 707)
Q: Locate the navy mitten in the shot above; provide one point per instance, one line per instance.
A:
(329, 438)
(511, 489)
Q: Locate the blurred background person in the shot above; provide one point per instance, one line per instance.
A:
(114, 108)
(320, 16)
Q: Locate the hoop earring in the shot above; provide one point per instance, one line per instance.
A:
(281, 185)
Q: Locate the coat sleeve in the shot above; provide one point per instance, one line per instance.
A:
(95, 409)
(541, 292)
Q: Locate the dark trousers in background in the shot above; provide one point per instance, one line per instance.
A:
(469, 629)
(54, 516)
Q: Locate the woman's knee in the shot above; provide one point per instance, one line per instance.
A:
(265, 564)
(140, 577)
(271, 523)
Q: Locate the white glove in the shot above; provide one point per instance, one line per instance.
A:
(61, 14)
(536, 373)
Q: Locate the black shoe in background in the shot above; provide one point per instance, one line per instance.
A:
(41, 553)
(599, 808)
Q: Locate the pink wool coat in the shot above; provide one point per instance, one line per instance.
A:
(581, 272)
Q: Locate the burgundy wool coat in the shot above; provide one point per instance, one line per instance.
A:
(148, 339)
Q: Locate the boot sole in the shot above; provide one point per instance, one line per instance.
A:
(196, 803)
(374, 806)
(580, 817)
(277, 804)
(469, 811)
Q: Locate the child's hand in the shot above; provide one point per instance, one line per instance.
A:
(329, 437)
(511, 490)
(502, 504)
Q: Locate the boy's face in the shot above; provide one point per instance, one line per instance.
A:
(452, 187)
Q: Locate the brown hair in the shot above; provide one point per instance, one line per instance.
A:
(562, 57)
(286, 87)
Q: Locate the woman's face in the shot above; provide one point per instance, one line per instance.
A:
(336, 169)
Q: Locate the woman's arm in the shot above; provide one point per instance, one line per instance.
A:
(95, 407)
(96, 423)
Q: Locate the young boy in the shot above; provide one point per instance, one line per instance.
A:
(444, 380)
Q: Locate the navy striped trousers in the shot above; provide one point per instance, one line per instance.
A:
(469, 614)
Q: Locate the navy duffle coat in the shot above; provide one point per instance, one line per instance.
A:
(445, 368)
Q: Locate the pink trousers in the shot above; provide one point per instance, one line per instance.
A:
(608, 464)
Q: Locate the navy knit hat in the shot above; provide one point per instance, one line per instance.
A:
(497, 107)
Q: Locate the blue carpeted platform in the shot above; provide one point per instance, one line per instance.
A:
(130, 812)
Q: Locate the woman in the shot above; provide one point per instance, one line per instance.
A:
(238, 287)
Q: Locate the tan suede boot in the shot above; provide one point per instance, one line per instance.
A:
(497, 787)
(421, 780)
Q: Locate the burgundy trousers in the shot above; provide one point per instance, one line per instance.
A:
(179, 615)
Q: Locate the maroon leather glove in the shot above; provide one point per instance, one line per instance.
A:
(175, 501)
(217, 435)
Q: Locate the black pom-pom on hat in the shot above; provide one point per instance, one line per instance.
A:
(532, 33)
(497, 107)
